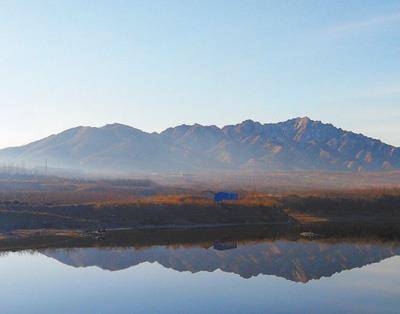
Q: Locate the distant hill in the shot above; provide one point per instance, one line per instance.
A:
(299, 144)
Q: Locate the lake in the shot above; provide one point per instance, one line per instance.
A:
(280, 276)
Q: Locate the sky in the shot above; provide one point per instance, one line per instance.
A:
(155, 64)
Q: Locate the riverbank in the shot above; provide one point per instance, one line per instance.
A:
(176, 212)
(20, 240)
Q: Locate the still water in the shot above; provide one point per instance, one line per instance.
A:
(254, 277)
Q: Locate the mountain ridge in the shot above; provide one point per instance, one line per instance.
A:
(297, 144)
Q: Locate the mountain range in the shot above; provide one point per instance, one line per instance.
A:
(299, 144)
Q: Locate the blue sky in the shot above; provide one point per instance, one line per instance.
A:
(153, 64)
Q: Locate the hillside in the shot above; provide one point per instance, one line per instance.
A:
(299, 144)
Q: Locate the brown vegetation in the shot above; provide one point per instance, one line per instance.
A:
(55, 203)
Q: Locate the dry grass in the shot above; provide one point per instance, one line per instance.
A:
(304, 218)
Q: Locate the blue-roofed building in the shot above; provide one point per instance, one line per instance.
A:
(226, 196)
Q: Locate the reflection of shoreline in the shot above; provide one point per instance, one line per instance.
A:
(295, 261)
(246, 251)
(203, 237)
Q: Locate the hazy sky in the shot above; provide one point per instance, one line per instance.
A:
(153, 64)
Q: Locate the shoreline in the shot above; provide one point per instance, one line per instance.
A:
(19, 240)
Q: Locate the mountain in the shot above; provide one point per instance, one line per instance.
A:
(112, 147)
(299, 144)
(295, 261)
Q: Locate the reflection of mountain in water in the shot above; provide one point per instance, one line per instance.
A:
(296, 261)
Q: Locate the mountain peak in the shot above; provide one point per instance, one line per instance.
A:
(302, 123)
(244, 129)
(122, 129)
(305, 118)
(116, 126)
(249, 121)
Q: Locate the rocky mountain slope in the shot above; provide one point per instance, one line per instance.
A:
(294, 145)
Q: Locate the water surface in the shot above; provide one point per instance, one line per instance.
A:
(254, 277)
